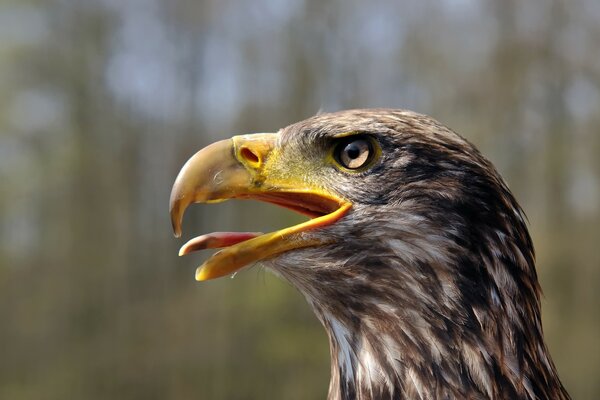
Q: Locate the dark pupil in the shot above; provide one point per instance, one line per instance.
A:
(352, 151)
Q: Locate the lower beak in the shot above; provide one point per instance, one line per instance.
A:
(239, 168)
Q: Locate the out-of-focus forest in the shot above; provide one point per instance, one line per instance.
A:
(102, 101)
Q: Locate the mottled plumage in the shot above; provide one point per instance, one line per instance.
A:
(430, 290)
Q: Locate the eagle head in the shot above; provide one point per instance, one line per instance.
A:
(416, 257)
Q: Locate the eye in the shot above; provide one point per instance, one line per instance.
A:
(354, 153)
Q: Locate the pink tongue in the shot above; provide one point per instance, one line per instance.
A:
(216, 240)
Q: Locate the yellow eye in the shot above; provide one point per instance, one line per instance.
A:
(354, 153)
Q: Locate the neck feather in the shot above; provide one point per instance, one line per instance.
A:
(428, 308)
(391, 348)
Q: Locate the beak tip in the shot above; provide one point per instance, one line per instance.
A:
(176, 217)
(199, 275)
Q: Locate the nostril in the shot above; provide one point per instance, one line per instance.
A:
(249, 155)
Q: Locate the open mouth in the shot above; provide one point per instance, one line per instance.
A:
(243, 248)
(220, 172)
(309, 204)
(313, 206)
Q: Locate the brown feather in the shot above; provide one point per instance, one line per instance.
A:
(430, 290)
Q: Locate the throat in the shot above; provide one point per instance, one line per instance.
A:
(428, 328)
(386, 359)
(357, 371)
(370, 361)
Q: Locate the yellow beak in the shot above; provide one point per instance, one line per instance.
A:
(243, 167)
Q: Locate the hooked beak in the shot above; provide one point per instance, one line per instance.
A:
(243, 167)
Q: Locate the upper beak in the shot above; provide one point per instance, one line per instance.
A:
(220, 171)
(241, 167)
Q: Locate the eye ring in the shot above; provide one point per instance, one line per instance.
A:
(355, 153)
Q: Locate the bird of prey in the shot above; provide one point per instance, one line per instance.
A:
(415, 258)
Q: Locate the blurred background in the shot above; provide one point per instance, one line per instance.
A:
(102, 101)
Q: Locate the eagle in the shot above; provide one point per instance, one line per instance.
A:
(415, 256)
